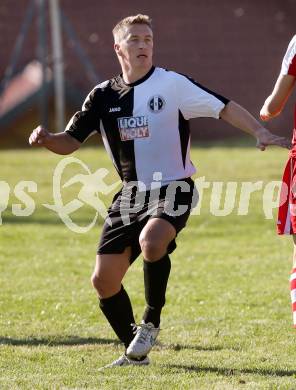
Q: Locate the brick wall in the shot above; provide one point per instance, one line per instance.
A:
(234, 47)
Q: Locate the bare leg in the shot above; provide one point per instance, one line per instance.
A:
(155, 238)
(293, 283)
(294, 251)
(114, 300)
(109, 272)
(154, 241)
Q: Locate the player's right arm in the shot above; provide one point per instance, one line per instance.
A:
(60, 143)
(80, 127)
(283, 87)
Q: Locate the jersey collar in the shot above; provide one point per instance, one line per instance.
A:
(141, 80)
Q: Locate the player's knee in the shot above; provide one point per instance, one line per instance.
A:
(152, 249)
(94, 281)
(100, 284)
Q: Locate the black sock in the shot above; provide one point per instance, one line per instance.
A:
(156, 275)
(118, 311)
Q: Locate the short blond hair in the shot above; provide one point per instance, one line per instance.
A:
(129, 21)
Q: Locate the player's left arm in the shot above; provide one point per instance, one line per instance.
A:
(196, 101)
(276, 101)
(240, 118)
(283, 87)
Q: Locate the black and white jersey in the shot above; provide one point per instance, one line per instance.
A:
(144, 125)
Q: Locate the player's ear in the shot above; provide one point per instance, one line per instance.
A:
(117, 49)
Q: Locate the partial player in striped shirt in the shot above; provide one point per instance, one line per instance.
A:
(273, 106)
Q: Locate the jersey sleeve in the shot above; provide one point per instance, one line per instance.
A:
(289, 61)
(86, 122)
(197, 101)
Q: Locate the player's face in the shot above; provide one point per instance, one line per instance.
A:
(135, 48)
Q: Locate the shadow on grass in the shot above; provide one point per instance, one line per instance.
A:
(230, 371)
(179, 347)
(74, 340)
(45, 220)
(8, 219)
(53, 342)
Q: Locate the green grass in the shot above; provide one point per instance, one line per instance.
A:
(227, 322)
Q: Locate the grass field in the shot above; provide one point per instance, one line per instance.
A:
(227, 322)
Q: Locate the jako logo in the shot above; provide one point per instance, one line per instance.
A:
(133, 127)
(115, 109)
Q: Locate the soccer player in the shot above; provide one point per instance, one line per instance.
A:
(142, 116)
(272, 107)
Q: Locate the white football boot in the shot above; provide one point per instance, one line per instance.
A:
(125, 361)
(142, 343)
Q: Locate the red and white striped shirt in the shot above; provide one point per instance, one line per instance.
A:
(289, 61)
(289, 68)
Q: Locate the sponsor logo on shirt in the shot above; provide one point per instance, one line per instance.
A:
(133, 127)
(156, 103)
(115, 109)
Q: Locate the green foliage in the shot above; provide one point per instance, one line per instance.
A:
(227, 322)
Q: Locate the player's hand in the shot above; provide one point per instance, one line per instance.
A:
(39, 136)
(265, 115)
(265, 138)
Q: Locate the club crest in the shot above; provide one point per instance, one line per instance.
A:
(156, 103)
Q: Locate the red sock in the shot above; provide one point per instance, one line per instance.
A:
(293, 294)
